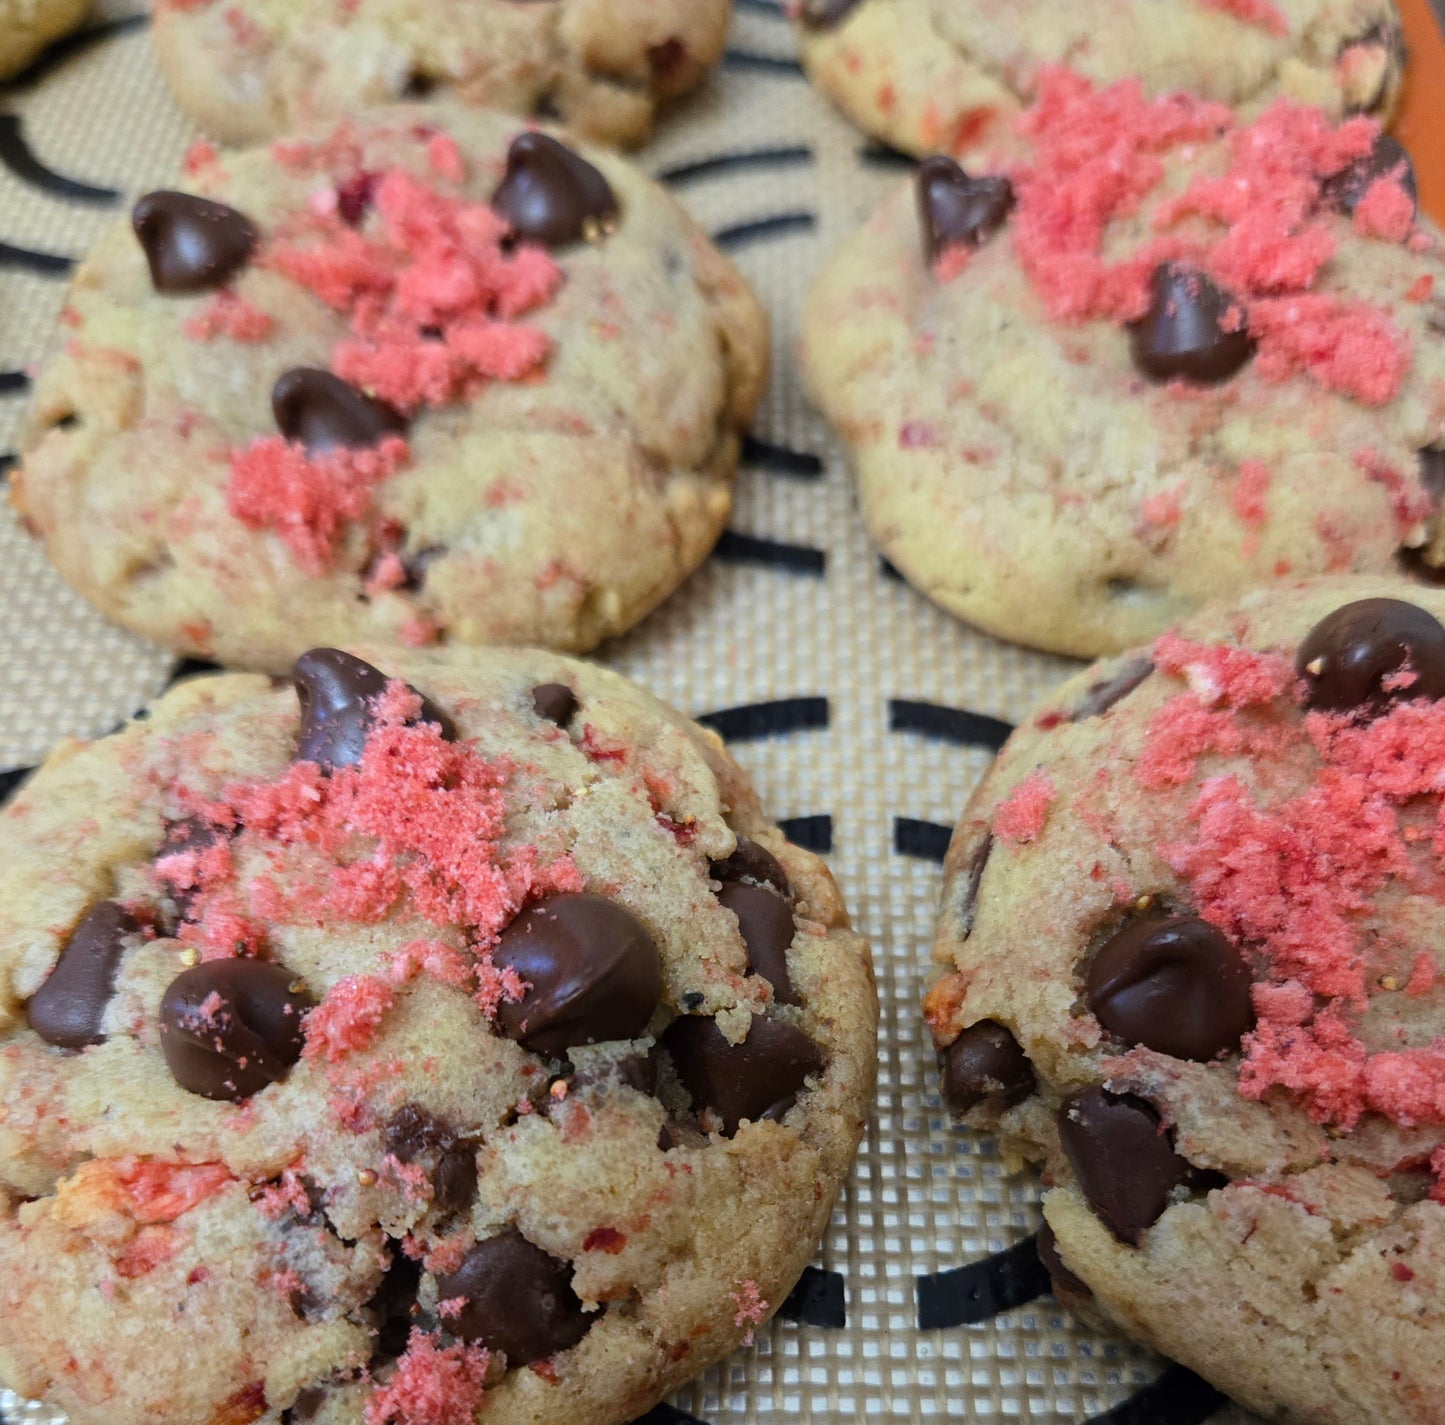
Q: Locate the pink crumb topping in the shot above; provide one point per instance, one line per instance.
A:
(230, 316)
(432, 1385)
(348, 1019)
(289, 1194)
(1251, 485)
(1235, 677)
(1386, 211)
(161, 1192)
(1263, 13)
(1020, 816)
(752, 1309)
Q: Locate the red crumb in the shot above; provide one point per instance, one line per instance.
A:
(495, 987)
(150, 1248)
(1386, 211)
(230, 316)
(348, 1019)
(752, 1309)
(432, 1385)
(1020, 817)
(1234, 677)
(1251, 485)
(152, 1192)
(451, 1308)
(1422, 975)
(387, 573)
(1349, 347)
(1437, 1167)
(1263, 13)
(1411, 505)
(1401, 1272)
(289, 1194)
(200, 154)
(430, 957)
(1163, 509)
(605, 1239)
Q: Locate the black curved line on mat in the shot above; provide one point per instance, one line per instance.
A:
(13, 381)
(47, 264)
(819, 1299)
(780, 460)
(771, 63)
(72, 45)
(17, 155)
(10, 780)
(890, 571)
(772, 719)
(970, 729)
(882, 155)
(927, 840)
(1178, 1397)
(812, 833)
(665, 1414)
(740, 234)
(189, 667)
(761, 7)
(738, 548)
(786, 157)
(981, 1290)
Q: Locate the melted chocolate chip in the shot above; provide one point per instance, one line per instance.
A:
(955, 208)
(517, 1299)
(1101, 696)
(414, 1133)
(592, 969)
(231, 1027)
(826, 14)
(1178, 986)
(1359, 658)
(759, 1078)
(551, 195)
(985, 1064)
(1125, 1162)
(337, 693)
(1184, 333)
(1063, 1279)
(754, 863)
(1344, 190)
(67, 1010)
(767, 929)
(192, 244)
(977, 864)
(323, 412)
(555, 702)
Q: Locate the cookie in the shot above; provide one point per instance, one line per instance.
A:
(420, 378)
(928, 76)
(601, 66)
(28, 26)
(446, 1032)
(1191, 928)
(1162, 356)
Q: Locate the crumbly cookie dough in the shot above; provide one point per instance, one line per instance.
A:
(1191, 937)
(400, 1050)
(423, 377)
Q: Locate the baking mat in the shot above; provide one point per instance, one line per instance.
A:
(864, 714)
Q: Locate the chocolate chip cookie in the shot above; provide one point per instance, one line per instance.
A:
(602, 66)
(1193, 955)
(441, 1033)
(28, 26)
(1161, 355)
(930, 76)
(420, 378)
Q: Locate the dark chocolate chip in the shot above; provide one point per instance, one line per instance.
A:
(1184, 333)
(555, 702)
(955, 208)
(1125, 1162)
(1359, 657)
(517, 1299)
(551, 195)
(414, 1133)
(985, 1064)
(1101, 696)
(592, 970)
(751, 862)
(759, 1078)
(306, 1406)
(826, 14)
(68, 1008)
(1432, 474)
(191, 243)
(337, 693)
(767, 927)
(977, 864)
(1178, 986)
(1063, 1279)
(231, 1027)
(1344, 190)
(323, 412)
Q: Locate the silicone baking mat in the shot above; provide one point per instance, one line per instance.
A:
(864, 714)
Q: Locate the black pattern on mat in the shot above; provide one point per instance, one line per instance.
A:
(763, 229)
(970, 729)
(736, 548)
(812, 833)
(17, 155)
(981, 1290)
(66, 49)
(780, 460)
(819, 1299)
(770, 719)
(787, 156)
(927, 840)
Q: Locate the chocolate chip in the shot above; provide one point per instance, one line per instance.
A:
(1101, 696)
(693, 1000)
(231, 1027)
(1178, 986)
(555, 702)
(323, 412)
(1125, 1162)
(1193, 329)
(759, 1078)
(754, 863)
(306, 1406)
(413, 1133)
(354, 197)
(1063, 1279)
(1344, 190)
(551, 195)
(985, 1064)
(1359, 658)
(68, 1008)
(337, 693)
(517, 1299)
(955, 208)
(977, 864)
(825, 14)
(592, 970)
(189, 834)
(1432, 474)
(192, 244)
(767, 928)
